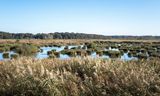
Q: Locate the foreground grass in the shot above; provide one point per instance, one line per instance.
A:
(79, 77)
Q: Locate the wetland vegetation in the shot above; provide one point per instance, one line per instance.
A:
(79, 68)
(85, 76)
(95, 48)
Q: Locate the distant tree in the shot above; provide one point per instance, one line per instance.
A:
(68, 35)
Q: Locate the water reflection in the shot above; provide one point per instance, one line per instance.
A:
(10, 53)
(44, 50)
(126, 57)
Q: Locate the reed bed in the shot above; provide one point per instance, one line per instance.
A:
(69, 41)
(27, 76)
(44, 41)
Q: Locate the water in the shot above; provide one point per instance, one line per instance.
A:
(43, 54)
(113, 49)
(126, 57)
(10, 53)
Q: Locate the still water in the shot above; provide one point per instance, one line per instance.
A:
(43, 54)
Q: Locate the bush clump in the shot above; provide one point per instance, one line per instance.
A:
(57, 54)
(112, 54)
(14, 56)
(40, 50)
(89, 51)
(142, 56)
(5, 55)
(52, 56)
(154, 54)
(53, 50)
(84, 47)
(123, 49)
(66, 47)
(91, 45)
(99, 52)
(69, 52)
(49, 52)
(26, 49)
(81, 52)
(143, 50)
(4, 49)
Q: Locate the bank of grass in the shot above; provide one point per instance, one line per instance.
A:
(69, 41)
(47, 42)
(79, 77)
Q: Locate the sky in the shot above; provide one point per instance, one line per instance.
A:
(107, 17)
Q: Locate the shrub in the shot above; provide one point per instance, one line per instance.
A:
(142, 56)
(107, 47)
(84, 47)
(50, 45)
(57, 54)
(72, 53)
(14, 56)
(49, 52)
(26, 49)
(132, 53)
(100, 52)
(79, 47)
(114, 46)
(4, 49)
(5, 55)
(69, 52)
(57, 45)
(52, 56)
(81, 52)
(143, 50)
(41, 50)
(114, 54)
(151, 51)
(46, 46)
(129, 54)
(91, 45)
(53, 50)
(154, 54)
(89, 51)
(123, 49)
(66, 47)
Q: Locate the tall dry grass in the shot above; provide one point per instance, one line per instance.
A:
(79, 77)
(67, 41)
(44, 41)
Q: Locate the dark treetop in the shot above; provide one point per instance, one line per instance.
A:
(67, 35)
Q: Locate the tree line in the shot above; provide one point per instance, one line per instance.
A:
(68, 35)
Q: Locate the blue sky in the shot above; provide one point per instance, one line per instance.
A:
(108, 17)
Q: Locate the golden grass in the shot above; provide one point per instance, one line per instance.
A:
(1, 62)
(79, 77)
(66, 41)
(44, 41)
